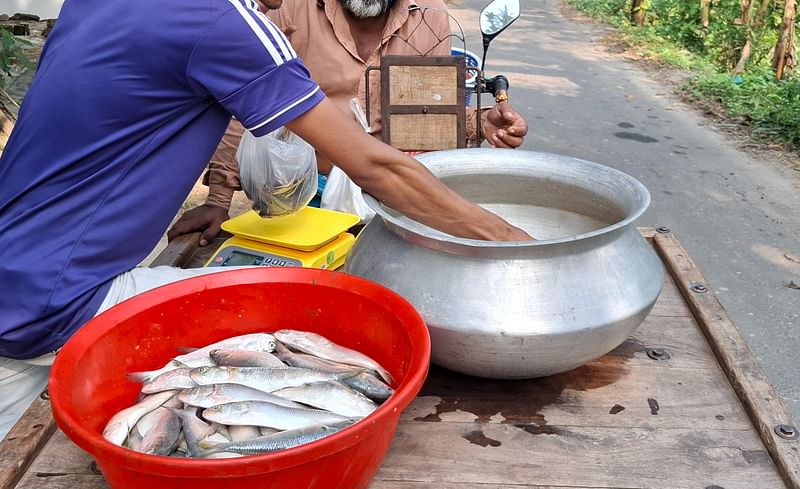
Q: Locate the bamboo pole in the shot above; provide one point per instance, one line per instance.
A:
(639, 11)
(705, 16)
(784, 49)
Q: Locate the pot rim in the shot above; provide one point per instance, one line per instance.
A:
(443, 241)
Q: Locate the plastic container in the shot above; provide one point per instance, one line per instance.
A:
(88, 383)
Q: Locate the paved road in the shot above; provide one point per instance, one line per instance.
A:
(738, 216)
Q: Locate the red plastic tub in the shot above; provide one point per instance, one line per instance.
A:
(88, 383)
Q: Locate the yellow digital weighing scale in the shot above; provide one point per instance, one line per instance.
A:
(312, 238)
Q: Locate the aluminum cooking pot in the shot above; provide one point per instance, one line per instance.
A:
(521, 309)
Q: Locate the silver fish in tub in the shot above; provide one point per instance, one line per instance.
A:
(265, 379)
(245, 358)
(262, 413)
(321, 346)
(278, 441)
(209, 395)
(199, 357)
(118, 427)
(164, 435)
(364, 382)
(169, 381)
(249, 342)
(235, 404)
(330, 396)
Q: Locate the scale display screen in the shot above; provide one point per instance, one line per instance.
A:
(239, 259)
(242, 257)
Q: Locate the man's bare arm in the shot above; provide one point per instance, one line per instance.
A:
(397, 180)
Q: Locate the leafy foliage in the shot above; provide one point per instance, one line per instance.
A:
(679, 21)
(675, 35)
(11, 54)
(771, 106)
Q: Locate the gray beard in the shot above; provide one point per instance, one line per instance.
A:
(365, 9)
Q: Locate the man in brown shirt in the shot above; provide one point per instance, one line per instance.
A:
(338, 40)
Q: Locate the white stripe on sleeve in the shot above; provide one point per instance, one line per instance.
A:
(258, 30)
(277, 35)
(285, 109)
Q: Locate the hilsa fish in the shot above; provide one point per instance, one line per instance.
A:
(265, 379)
(278, 441)
(321, 346)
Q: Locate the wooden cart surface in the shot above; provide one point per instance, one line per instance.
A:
(681, 404)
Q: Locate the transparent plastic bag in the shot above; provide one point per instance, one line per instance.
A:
(278, 172)
(342, 194)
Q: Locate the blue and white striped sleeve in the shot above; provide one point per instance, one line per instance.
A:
(246, 63)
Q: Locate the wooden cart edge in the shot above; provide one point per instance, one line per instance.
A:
(766, 410)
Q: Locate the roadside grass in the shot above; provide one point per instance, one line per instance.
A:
(770, 107)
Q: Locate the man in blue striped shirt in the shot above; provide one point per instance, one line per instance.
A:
(129, 101)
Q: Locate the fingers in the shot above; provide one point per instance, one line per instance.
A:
(503, 139)
(210, 233)
(178, 229)
(499, 142)
(172, 234)
(206, 218)
(505, 127)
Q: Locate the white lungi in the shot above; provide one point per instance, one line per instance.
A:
(21, 381)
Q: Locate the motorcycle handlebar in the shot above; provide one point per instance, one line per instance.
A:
(499, 83)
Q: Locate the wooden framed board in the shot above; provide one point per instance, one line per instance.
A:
(422, 102)
(680, 404)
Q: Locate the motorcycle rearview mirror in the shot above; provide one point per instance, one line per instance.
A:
(495, 17)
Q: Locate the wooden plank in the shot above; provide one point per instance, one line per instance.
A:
(178, 251)
(647, 233)
(679, 337)
(386, 484)
(433, 450)
(605, 393)
(765, 407)
(60, 456)
(64, 481)
(203, 254)
(506, 454)
(20, 446)
(670, 303)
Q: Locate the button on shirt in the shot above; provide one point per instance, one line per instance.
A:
(129, 101)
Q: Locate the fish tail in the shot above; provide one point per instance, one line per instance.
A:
(140, 377)
(206, 445)
(207, 448)
(351, 373)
